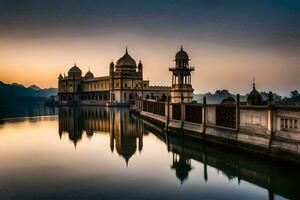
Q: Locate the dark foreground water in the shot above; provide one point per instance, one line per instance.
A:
(105, 153)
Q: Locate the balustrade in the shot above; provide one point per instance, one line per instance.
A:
(289, 124)
(193, 113)
(154, 107)
(176, 111)
(221, 115)
(226, 116)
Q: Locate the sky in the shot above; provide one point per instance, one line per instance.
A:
(230, 42)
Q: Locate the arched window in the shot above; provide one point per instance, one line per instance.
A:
(125, 96)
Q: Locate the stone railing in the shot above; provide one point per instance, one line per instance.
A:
(193, 113)
(289, 124)
(154, 107)
(264, 120)
(272, 128)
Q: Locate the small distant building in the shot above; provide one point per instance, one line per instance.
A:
(181, 91)
(254, 98)
(124, 83)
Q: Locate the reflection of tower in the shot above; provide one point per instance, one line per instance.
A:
(112, 131)
(126, 131)
(75, 133)
(111, 80)
(68, 121)
(182, 165)
(140, 128)
(181, 78)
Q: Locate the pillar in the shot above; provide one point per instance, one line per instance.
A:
(237, 121)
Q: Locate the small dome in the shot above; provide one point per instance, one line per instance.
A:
(228, 100)
(181, 55)
(254, 97)
(89, 75)
(126, 61)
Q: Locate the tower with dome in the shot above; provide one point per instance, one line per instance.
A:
(182, 91)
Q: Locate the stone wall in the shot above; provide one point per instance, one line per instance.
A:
(273, 129)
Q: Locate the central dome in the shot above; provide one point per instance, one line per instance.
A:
(74, 69)
(126, 61)
(74, 72)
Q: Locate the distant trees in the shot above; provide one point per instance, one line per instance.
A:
(219, 95)
(294, 98)
(294, 94)
(222, 92)
(276, 97)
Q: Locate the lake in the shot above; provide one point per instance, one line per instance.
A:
(108, 153)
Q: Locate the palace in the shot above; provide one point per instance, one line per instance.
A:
(124, 83)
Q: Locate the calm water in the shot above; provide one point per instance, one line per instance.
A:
(107, 153)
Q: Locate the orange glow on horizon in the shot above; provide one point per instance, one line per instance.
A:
(39, 61)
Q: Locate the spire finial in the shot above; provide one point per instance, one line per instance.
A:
(126, 50)
(181, 48)
(74, 63)
(253, 83)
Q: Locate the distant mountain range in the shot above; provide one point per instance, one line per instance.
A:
(15, 92)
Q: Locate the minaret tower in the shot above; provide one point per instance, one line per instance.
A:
(140, 69)
(111, 81)
(181, 91)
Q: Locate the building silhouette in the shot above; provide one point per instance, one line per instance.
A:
(124, 83)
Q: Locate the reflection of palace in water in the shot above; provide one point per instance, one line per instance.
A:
(275, 178)
(125, 131)
(126, 136)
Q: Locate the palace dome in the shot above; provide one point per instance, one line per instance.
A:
(126, 61)
(89, 75)
(254, 97)
(74, 72)
(181, 55)
(75, 69)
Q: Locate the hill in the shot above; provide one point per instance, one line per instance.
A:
(11, 93)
